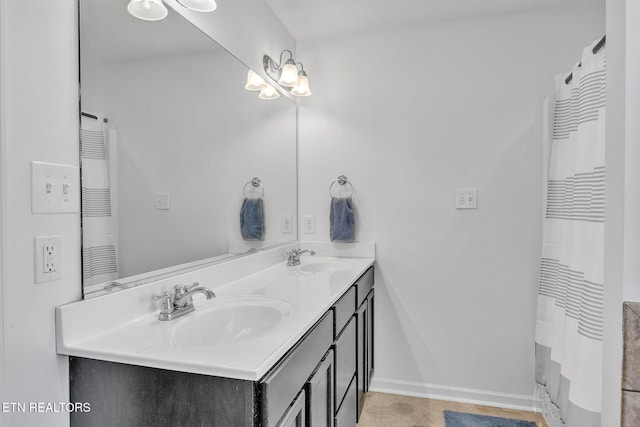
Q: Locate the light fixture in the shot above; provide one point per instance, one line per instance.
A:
(269, 92)
(199, 5)
(254, 81)
(302, 88)
(286, 74)
(148, 10)
(289, 73)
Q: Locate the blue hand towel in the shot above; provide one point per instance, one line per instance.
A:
(252, 219)
(342, 220)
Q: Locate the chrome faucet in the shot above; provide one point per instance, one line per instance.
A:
(180, 302)
(293, 256)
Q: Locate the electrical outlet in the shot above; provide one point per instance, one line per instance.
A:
(47, 254)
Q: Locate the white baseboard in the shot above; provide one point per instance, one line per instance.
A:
(457, 394)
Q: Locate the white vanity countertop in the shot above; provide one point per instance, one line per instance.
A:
(304, 292)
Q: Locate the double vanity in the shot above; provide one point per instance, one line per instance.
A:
(275, 345)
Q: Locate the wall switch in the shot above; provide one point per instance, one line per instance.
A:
(54, 188)
(466, 198)
(309, 224)
(163, 202)
(286, 224)
(47, 255)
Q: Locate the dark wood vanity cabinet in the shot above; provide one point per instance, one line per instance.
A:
(320, 382)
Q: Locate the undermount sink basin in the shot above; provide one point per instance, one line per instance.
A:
(231, 320)
(324, 266)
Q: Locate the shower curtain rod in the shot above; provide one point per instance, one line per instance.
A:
(91, 116)
(595, 50)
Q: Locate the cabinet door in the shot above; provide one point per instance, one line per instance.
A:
(348, 412)
(319, 390)
(295, 415)
(370, 328)
(345, 363)
(362, 316)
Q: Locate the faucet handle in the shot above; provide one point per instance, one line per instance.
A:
(167, 301)
(179, 290)
(163, 295)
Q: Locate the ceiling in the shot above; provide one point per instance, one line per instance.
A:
(310, 19)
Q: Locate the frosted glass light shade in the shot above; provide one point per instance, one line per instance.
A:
(302, 89)
(148, 10)
(199, 5)
(254, 81)
(289, 75)
(269, 92)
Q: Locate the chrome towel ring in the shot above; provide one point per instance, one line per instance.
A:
(256, 184)
(342, 180)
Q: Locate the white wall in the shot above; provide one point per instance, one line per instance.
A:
(408, 116)
(39, 121)
(3, 276)
(621, 230)
(219, 136)
(39, 93)
(632, 153)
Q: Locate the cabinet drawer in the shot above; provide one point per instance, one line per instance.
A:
(343, 310)
(345, 350)
(346, 416)
(364, 285)
(284, 382)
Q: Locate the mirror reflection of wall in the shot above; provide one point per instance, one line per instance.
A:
(183, 137)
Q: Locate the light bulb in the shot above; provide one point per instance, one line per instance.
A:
(269, 92)
(302, 89)
(254, 81)
(289, 75)
(199, 5)
(148, 10)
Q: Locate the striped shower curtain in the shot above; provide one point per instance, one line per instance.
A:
(569, 325)
(99, 248)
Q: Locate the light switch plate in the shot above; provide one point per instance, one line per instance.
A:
(47, 258)
(55, 188)
(286, 224)
(466, 198)
(163, 201)
(309, 224)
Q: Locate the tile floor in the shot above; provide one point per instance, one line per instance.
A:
(389, 410)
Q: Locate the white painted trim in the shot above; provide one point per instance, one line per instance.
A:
(3, 139)
(457, 394)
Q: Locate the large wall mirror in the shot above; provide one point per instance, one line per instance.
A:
(171, 142)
